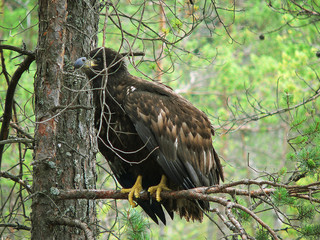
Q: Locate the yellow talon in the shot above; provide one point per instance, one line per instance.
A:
(158, 188)
(136, 189)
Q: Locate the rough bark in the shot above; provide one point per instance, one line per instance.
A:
(64, 156)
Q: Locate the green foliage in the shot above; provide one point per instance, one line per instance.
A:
(241, 215)
(283, 171)
(262, 234)
(282, 197)
(308, 158)
(311, 231)
(306, 212)
(136, 226)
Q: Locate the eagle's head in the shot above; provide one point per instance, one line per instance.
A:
(100, 60)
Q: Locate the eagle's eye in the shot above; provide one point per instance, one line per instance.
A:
(98, 59)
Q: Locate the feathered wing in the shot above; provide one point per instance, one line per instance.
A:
(180, 136)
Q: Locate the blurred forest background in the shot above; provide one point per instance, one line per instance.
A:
(252, 66)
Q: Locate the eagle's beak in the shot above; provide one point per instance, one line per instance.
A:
(84, 63)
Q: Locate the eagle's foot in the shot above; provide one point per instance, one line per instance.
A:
(135, 190)
(158, 188)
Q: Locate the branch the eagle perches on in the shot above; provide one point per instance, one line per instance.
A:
(264, 193)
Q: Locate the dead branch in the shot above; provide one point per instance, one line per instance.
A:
(225, 221)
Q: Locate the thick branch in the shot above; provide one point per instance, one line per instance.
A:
(226, 188)
(73, 223)
(190, 194)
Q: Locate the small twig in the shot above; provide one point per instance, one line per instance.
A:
(129, 54)
(15, 226)
(16, 179)
(18, 50)
(262, 114)
(21, 131)
(16, 140)
(225, 221)
(4, 68)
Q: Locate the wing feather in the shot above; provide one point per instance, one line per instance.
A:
(178, 133)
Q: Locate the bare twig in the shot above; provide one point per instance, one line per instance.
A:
(21, 130)
(247, 118)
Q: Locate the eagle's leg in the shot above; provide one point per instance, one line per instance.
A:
(160, 187)
(135, 190)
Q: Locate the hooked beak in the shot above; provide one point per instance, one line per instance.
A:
(84, 63)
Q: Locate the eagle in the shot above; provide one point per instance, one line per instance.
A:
(153, 139)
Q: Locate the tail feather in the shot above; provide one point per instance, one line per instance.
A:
(188, 209)
(154, 210)
(191, 210)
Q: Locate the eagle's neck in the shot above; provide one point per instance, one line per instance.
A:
(111, 91)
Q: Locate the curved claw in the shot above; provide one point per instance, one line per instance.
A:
(135, 190)
(159, 188)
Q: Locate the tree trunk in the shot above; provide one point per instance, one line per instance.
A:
(64, 156)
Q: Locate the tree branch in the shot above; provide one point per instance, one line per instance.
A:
(73, 223)
(234, 221)
(16, 179)
(294, 190)
(15, 226)
(16, 140)
(18, 50)
(9, 100)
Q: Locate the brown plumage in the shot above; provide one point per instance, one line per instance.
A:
(146, 129)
